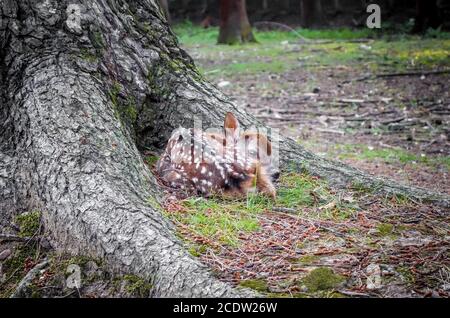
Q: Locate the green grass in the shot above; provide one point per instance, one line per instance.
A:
(221, 220)
(297, 190)
(191, 34)
(385, 229)
(311, 196)
(279, 51)
(363, 152)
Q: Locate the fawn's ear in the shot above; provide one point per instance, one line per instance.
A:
(231, 126)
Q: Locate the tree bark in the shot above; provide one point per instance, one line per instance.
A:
(311, 13)
(87, 84)
(165, 6)
(234, 24)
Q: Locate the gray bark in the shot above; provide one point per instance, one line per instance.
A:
(84, 88)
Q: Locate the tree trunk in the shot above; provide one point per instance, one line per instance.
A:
(165, 6)
(83, 87)
(234, 24)
(337, 7)
(427, 15)
(311, 13)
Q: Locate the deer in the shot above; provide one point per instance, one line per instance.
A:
(228, 162)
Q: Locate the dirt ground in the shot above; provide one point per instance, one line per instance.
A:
(408, 113)
(376, 119)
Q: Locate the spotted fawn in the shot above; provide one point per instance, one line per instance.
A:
(228, 162)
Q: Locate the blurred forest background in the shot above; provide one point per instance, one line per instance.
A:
(396, 14)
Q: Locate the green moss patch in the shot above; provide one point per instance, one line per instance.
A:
(151, 160)
(137, 286)
(308, 259)
(29, 223)
(259, 285)
(321, 279)
(385, 229)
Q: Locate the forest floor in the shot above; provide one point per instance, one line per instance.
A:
(332, 95)
(346, 97)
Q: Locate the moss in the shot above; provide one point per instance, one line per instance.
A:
(198, 250)
(124, 109)
(360, 187)
(129, 111)
(86, 55)
(15, 265)
(59, 263)
(114, 94)
(406, 274)
(14, 268)
(35, 291)
(97, 40)
(259, 285)
(29, 223)
(322, 278)
(308, 259)
(385, 229)
(151, 160)
(136, 285)
(82, 260)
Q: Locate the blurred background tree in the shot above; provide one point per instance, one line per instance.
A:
(235, 16)
(234, 24)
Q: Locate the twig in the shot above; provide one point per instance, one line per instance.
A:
(282, 26)
(387, 75)
(331, 131)
(352, 293)
(15, 238)
(418, 73)
(392, 121)
(285, 210)
(26, 281)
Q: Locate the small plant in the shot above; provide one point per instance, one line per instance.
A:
(29, 223)
(151, 160)
(308, 259)
(137, 286)
(321, 279)
(259, 285)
